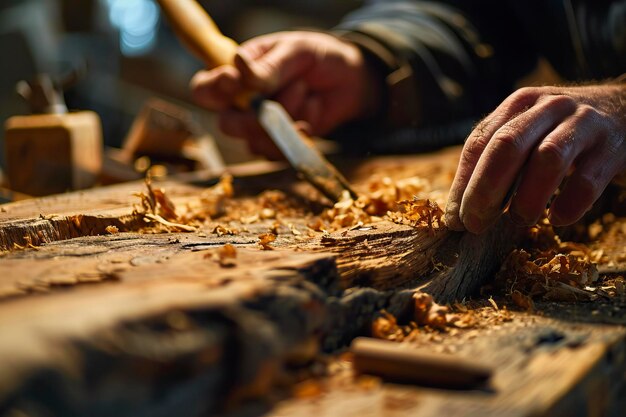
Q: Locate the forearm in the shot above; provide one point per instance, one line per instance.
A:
(436, 66)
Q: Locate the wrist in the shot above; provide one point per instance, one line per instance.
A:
(618, 99)
(371, 78)
(399, 103)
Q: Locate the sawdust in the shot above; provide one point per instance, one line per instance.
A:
(418, 213)
(428, 317)
(226, 256)
(265, 240)
(382, 199)
(548, 269)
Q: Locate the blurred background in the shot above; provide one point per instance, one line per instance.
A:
(125, 53)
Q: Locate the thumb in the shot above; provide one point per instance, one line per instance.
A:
(274, 69)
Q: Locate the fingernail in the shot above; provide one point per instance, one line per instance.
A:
(453, 221)
(451, 216)
(473, 223)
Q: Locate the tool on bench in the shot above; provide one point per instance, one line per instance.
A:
(52, 150)
(200, 34)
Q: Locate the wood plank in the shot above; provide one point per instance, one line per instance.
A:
(364, 256)
(153, 338)
(130, 323)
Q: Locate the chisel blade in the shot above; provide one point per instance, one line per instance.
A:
(300, 152)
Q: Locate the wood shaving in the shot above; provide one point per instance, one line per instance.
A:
(386, 327)
(523, 300)
(112, 229)
(76, 219)
(547, 268)
(384, 199)
(166, 208)
(28, 244)
(222, 230)
(250, 219)
(317, 225)
(379, 201)
(293, 230)
(274, 228)
(430, 317)
(427, 316)
(168, 224)
(429, 313)
(268, 213)
(156, 206)
(265, 240)
(213, 200)
(227, 256)
(418, 213)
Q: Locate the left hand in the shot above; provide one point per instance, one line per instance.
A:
(539, 136)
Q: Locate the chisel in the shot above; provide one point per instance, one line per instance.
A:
(201, 35)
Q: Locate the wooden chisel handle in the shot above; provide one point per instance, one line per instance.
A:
(199, 33)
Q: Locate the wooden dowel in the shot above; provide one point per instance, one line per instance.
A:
(402, 363)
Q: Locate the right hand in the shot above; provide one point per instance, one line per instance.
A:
(321, 81)
(562, 142)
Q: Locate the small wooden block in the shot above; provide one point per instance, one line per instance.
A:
(53, 153)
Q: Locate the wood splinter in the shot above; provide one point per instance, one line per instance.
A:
(399, 363)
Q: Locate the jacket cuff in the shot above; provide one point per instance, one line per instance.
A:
(399, 105)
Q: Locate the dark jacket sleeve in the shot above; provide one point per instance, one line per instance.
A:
(450, 60)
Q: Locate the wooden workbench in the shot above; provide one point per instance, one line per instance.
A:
(102, 321)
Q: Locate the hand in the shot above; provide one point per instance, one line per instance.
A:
(540, 136)
(321, 81)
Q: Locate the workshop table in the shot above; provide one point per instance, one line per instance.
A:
(100, 315)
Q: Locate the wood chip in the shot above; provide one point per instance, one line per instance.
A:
(227, 255)
(175, 226)
(522, 300)
(266, 239)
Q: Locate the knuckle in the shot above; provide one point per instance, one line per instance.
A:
(553, 154)
(521, 100)
(559, 100)
(586, 113)
(480, 129)
(525, 92)
(510, 139)
(481, 133)
(473, 148)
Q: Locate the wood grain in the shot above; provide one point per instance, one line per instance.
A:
(129, 323)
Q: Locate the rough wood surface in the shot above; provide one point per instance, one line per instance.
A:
(545, 366)
(383, 256)
(128, 323)
(151, 339)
